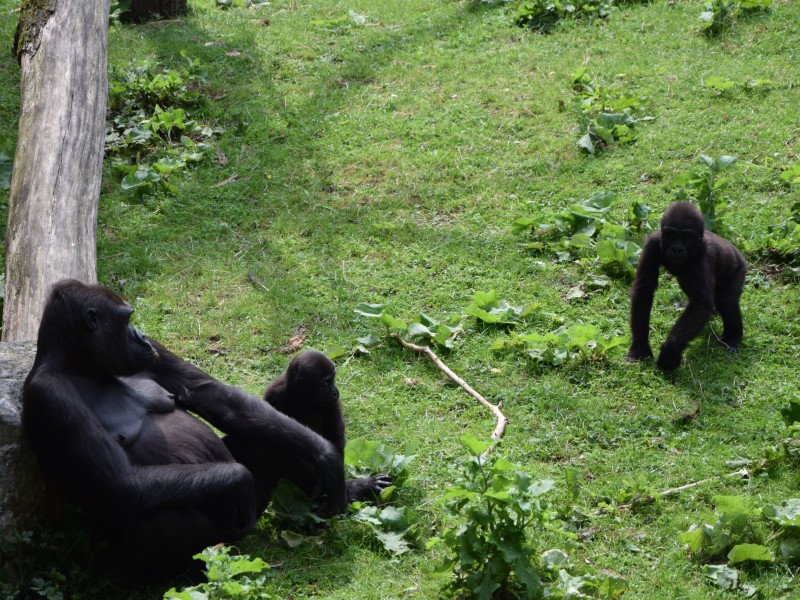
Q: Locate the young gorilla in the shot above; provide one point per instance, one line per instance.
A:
(710, 271)
(307, 393)
(110, 415)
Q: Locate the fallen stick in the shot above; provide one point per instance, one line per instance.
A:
(743, 473)
(502, 420)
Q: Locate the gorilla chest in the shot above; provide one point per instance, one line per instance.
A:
(121, 404)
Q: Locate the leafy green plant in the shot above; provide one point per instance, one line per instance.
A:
(720, 15)
(789, 447)
(790, 175)
(229, 576)
(783, 239)
(395, 528)
(745, 534)
(606, 118)
(583, 219)
(720, 86)
(494, 552)
(365, 457)
(342, 23)
(488, 308)
(146, 84)
(565, 344)
(542, 15)
(150, 136)
(493, 548)
(706, 188)
(424, 329)
(583, 231)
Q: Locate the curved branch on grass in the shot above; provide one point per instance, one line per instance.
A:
(502, 420)
(741, 473)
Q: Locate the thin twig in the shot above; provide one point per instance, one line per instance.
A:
(256, 281)
(502, 420)
(743, 473)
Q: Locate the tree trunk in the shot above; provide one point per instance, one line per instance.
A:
(55, 186)
(145, 10)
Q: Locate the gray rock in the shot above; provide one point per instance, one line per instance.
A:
(21, 486)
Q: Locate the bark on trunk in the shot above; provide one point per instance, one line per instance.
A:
(55, 186)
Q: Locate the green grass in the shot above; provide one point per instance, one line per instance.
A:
(386, 163)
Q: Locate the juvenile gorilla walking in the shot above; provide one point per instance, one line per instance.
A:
(110, 415)
(710, 271)
(307, 392)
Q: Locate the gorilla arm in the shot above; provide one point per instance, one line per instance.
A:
(235, 412)
(642, 292)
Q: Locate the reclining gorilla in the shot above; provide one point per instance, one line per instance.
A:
(109, 414)
(710, 271)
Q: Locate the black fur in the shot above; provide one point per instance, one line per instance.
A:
(110, 415)
(307, 392)
(710, 271)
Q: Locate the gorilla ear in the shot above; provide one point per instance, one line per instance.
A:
(90, 318)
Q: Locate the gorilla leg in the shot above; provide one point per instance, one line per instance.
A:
(163, 542)
(269, 465)
(686, 328)
(727, 302)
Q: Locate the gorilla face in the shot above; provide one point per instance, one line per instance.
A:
(681, 233)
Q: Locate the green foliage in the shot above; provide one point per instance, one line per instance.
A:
(396, 529)
(737, 522)
(342, 23)
(488, 308)
(606, 117)
(783, 239)
(583, 231)
(493, 552)
(789, 447)
(425, 329)
(145, 85)
(720, 15)
(706, 188)
(720, 86)
(566, 344)
(791, 174)
(150, 136)
(364, 457)
(494, 549)
(786, 516)
(543, 15)
(741, 533)
(229, 577)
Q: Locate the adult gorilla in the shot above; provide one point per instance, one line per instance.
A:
(107, 412)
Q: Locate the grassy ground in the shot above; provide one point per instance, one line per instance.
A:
(385, 163)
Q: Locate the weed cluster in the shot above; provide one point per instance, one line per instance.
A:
(494, 550)
(150, 136)
(606, 117)
(236, 577)
(543, 15)
(706, 187)
(720, 15)
(583, 232)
